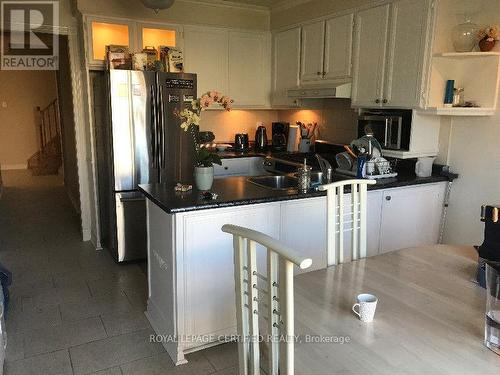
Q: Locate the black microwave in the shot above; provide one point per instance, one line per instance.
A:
(392, 128)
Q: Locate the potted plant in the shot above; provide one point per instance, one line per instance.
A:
(488, 38)
(205, 159)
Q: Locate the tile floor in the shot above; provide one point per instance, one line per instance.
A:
(73, 309)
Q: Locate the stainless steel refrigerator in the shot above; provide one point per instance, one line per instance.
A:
(138, 141)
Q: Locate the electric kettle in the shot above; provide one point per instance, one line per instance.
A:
(261, 138)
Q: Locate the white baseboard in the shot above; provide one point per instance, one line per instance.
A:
(9, 167)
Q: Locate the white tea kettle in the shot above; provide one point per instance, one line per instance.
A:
(423, 166)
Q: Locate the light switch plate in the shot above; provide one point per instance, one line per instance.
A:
(4, 104)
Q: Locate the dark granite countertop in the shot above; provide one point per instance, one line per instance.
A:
(237, 191)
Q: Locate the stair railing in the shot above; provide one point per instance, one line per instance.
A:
(48, 123)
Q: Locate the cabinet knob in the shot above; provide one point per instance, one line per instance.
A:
(377, 101)
(319, 73)
(388, 198)
(226, 168)
(385, 101)
(324, 74)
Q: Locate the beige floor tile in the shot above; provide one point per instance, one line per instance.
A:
(119, 323)
(95, 306)
(15, 347)
(228, 371)
(110, 352)
(131, 281)
(138, 300)
(30, 319)
(63, 336)
(162, 365)
(55, 363)
(110, 371)
(222, 356)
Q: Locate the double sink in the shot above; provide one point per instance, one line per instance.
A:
(283, 182)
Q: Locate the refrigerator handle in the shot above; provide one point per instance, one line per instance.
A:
(162, 129)
(154, 126)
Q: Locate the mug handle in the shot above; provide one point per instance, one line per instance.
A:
(354, 309)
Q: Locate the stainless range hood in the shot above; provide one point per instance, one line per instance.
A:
(319, 92)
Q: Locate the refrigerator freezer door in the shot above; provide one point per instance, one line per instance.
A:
(176, 90)
(131, 231)
(133, 128)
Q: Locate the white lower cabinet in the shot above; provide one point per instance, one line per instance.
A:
(411, 217)
(207, 255)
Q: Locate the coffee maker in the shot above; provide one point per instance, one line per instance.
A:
(280, 135)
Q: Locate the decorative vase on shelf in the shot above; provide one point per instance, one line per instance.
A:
(465, 36)
(486, 45)
(204, 177)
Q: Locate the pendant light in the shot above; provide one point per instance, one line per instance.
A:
(156, 5)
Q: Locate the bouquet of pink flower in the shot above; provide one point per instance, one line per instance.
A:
(490, 33)
(191, 122)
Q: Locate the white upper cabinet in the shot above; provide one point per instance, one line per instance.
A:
(286, 66)
(206, 54)
(408, 51)
(338, 48)
(391, 54)
(249, 69)
(370, 44)
(326, 51)
(313, 49)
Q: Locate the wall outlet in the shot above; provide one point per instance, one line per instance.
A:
(4, 104)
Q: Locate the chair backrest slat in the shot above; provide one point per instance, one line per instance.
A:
(240, 264)
(253, 304)
(358, 206)
(272, 303)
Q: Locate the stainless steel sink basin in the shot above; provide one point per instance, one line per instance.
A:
(281, 182)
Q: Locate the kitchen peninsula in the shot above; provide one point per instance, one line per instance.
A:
(190, 260)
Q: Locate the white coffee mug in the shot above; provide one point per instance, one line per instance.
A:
(367, 304)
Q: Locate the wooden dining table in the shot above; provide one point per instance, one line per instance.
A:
(429, 319)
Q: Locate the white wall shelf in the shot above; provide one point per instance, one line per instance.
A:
(477, 72)
(466, 54)
(459, 111)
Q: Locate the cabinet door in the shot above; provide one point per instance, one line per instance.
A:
(249, 69)
(411, 217)
(206, 54)
(303, 228)
(208, 264)
(338, 48)
(101, 32)
(370, 44)
(312, 54)
(408, 48)
(286, 66)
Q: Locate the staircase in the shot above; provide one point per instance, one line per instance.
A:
(48, 159)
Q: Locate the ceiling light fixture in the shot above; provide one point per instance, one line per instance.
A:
(156, 5)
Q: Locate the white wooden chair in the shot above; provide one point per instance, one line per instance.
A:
(337, 225)
(277, 300)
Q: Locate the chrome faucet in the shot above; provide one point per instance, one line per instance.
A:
(326, 169)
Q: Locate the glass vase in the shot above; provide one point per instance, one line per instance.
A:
(465, 36)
